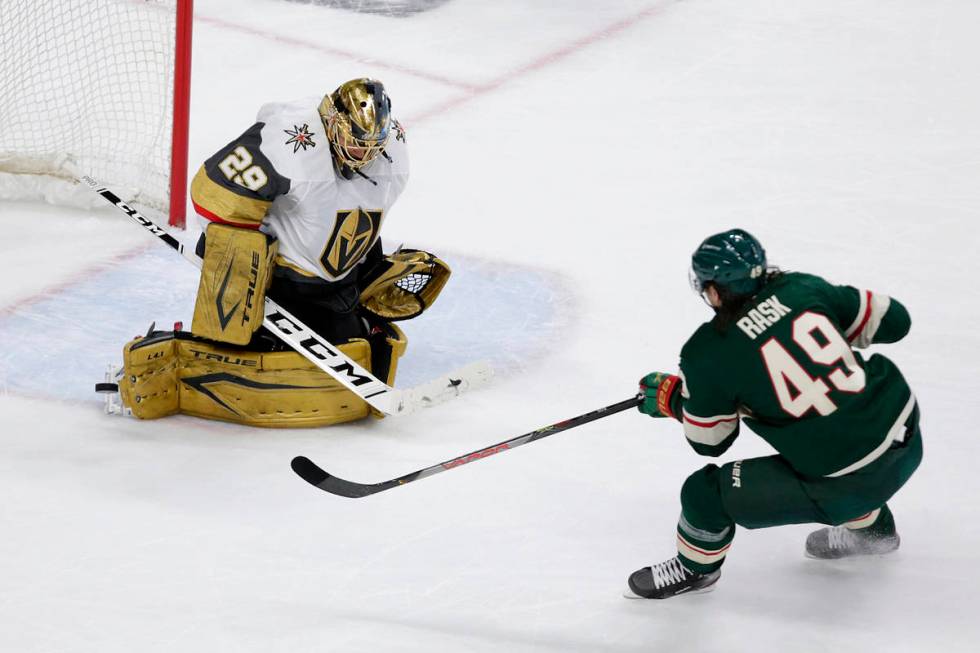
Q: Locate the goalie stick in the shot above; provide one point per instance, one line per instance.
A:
(314, 475)
(316, 349)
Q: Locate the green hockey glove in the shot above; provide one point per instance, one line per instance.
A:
(658, 390)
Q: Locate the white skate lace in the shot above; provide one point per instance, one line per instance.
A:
(670, 572)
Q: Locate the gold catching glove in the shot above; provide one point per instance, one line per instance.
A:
(404, 284)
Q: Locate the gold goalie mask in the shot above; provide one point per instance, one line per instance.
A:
(357, 118)
(404, 284)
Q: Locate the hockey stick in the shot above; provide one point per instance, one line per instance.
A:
(314, 475)
(316, 349)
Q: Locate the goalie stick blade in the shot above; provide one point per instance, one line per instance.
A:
(312, 474)
(442, 389)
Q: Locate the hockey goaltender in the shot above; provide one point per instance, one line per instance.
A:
(293, 207)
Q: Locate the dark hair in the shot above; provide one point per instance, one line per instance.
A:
(732, 303)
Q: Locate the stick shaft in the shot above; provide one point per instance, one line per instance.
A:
(314, 475)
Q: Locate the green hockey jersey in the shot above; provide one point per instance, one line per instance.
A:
(786, 365)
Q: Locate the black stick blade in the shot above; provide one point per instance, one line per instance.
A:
(310, 472)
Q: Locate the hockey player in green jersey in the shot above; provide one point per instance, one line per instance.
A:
(779, 356)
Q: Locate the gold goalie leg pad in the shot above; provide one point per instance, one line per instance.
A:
(236, 273)
(167, 373)
(149, 381)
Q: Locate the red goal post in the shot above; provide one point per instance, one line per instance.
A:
(101, 87)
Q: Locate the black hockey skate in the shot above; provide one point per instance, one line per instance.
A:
(669, 579)
(837, 542)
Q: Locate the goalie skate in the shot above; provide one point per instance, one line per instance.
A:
(109, 389)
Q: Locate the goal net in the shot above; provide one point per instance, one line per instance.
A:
(88, 87)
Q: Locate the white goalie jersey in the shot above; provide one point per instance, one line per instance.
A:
(279, 177)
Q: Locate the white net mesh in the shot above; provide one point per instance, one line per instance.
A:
(88, 82)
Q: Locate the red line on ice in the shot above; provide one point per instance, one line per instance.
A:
(77, 277)
(335, 52)
(471, 91)
(543, 61)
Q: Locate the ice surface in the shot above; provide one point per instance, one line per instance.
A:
(567, 157)
(121, 300)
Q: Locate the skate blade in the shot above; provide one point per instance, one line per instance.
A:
(851, 556)
(629, 594)
(111, 400)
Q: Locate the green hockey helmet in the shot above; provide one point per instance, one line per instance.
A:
(733, 260)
